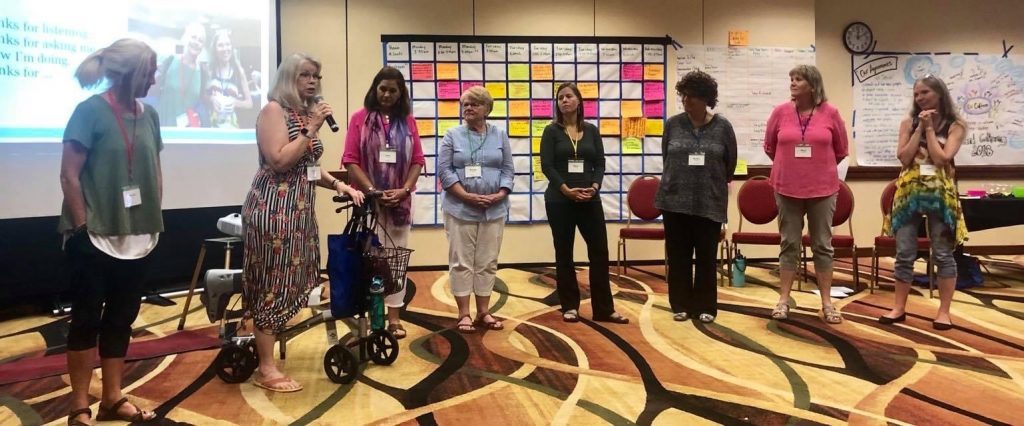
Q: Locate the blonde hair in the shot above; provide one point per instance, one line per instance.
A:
(812, 76)
(480, 95)
(124, 59)
(283, 90)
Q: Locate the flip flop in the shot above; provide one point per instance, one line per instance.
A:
(270, 384)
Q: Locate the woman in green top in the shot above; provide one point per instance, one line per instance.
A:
(111, 219)
(180, 82)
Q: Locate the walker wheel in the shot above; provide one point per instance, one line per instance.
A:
(383, 347)
(341, 365)
(235, 364)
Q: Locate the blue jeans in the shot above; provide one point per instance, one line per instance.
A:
(942, 241)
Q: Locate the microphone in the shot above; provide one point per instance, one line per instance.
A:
(330, 118)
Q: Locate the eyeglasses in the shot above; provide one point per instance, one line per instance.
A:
(308, 76)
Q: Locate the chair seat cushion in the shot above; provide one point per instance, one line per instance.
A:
(886, 241)
(842, 241)
(764, 238)
(642, 233)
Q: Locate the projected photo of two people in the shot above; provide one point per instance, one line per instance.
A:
(207, 73)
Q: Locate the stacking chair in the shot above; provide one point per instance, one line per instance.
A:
(756, 204)
(640, 199)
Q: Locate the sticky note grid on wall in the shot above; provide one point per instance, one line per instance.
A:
(621, 79)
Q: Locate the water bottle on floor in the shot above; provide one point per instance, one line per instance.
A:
(739, 268)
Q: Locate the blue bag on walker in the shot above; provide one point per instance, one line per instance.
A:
(344, 268)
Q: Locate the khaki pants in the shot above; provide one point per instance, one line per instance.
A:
(819, 213)
(473, 254)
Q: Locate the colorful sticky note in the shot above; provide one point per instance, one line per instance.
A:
(444, 125)
(590, 109)
(426, 127)
(635, 127)
(518, 108)
(422, 71)
(537, 127)
(500, 109)
(739, 37)
(542, 72)
(654, 109)
(588, 90)
(468, 84)
(654, 91)
(632, 145)
(497, 90)
(610, 126)
(448, 90)
(519, 90)
(631, 109)
(520, 128)
(633, 72)
(518, 71)
(655, 127)
(540, 108)
(535, 145)
(654, 72)
(538, 172)
(741, 167)
(448, 109)
(447, 71)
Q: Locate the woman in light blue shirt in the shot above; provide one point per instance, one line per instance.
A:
(474, 166)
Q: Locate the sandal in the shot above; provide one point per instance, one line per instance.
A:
(615, 317)
(781, 311)
(273, 385)
(397, 330)
(490, 325)
(466, 327)
(110, 413)
(571, 315)
(680, 316)
(706, 318)
(831, 315)
(73, 416)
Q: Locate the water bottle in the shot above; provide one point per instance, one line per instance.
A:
(739, 268)
(377, 304)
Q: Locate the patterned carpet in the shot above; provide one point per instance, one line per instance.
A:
(744, 368)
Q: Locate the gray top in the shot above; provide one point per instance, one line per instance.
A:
(491, 151)
(692, 189)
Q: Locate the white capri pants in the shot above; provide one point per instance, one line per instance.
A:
(473, 254)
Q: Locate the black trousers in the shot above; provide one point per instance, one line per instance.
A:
(564, 218)
(686, 237)
(106, 293)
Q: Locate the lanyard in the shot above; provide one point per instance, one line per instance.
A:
(803, 125)
(129, 143)
(473, 151)
(385, 124)
(302, 123)
(575, 143)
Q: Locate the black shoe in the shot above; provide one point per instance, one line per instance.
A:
(886, 320)
(942, 326)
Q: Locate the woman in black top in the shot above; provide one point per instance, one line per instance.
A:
(572, 158)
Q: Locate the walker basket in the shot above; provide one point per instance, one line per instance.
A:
(389, 263)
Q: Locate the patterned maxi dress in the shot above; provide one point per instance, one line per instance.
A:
(282, 247)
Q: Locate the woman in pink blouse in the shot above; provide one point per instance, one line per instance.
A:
(383, 153)
(806, 139)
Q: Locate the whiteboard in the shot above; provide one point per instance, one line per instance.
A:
(987, 89)
(751, 82)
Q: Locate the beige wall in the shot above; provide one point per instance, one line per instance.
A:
(346, 37)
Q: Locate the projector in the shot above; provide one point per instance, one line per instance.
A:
(221, 284)
(231, 225)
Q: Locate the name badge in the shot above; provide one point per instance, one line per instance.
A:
(575, 166)
(696, 160)
(132, 196)
(927, 170)
(389, 156)
(313, 172)
(803, 151)
(474, 171)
